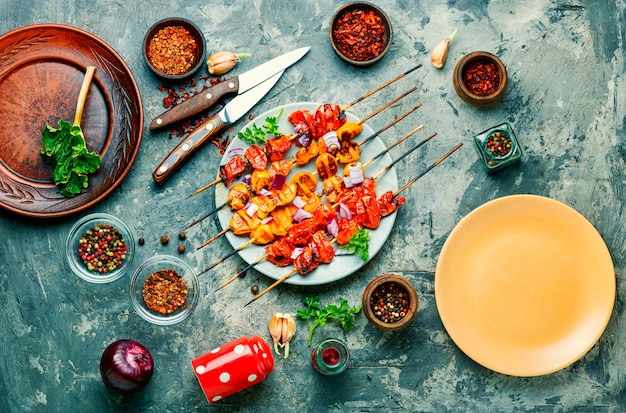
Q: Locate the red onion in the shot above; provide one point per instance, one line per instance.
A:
(126, 366)
(235, 152)
(300, 215)
(331, 139)
(278, 181)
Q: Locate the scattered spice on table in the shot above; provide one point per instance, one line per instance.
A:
(165, 239)
(102, 248)
(359, 34)
(172, 50)
(481, 77)
(390, 302)
(181, 249)
(181, 236)
(188, 89)
(499, 144)
(164, 292)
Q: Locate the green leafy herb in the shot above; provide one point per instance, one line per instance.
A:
(257, 134)
(359, 244)
(65, 148)
(317, 316)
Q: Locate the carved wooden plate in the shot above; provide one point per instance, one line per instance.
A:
(41, 70)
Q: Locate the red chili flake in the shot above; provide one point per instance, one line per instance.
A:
(359, 35)
(481, 77)
(172, 50)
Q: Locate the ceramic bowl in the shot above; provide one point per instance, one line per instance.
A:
(389, 283)
(491, 67)
(164, 68)
(156, 264)
(78, 256)
(347, 52)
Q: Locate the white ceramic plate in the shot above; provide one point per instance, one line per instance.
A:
(343, 265)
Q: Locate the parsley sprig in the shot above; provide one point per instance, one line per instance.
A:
(317, 316)
(258, 134)
(359, 244)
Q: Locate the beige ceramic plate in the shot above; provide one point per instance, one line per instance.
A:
(525, 285)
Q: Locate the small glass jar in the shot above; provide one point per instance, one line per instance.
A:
(330, 356)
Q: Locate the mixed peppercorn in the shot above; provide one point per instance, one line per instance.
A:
(499, 144)
(390, 302)
(164, 292)
(102, 249)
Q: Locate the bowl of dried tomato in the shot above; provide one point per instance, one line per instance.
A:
(99, 248)
(390, 302)
(480, 78)
(164, 290)
(360, 33)
(174, 48)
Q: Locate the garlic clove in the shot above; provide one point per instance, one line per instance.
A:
(440, 52)
(220, 63)
(282, 328)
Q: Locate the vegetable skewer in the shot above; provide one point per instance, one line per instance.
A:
(369, 138)
(294, 136)
(225, 230)
(376, 176)
(404, 187)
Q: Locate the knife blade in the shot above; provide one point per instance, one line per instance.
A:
(229, 114)
(234, 85)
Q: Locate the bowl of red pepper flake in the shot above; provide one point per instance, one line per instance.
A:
(99, 248)
(390, 302)
(480, 78)
(174, 48)
(164, 290)
(360, 33)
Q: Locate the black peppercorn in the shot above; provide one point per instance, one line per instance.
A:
(141, 241)
(254, 289)
(181, 249)
(181, 236)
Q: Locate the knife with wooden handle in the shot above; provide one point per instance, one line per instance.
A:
(235, 85)
(234, 110)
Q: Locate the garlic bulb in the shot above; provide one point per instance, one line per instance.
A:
(440, 52)
(282, 328)
(220, 63)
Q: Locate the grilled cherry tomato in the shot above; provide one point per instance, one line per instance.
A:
(349, 152)
(388, 204)
(279, 252)
(347, 229)
(328, 117)
(302, 120)
(323, 250)
(256, 157)
(322, 215)
(301, 232)
(232, 170)
(260, 180)
(368, 211)
(305, 154)
(332, 187)
(348, 131)
(277, 148)
(262, 235)
(241, 223)
(304, 262)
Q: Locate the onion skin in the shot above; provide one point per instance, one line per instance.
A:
(126, 366)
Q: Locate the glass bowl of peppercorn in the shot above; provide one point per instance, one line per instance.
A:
(164, 290)
(174, 48)
(498, 147)
(360, 33)
(480, 78)
(390, 302)
(99, 248)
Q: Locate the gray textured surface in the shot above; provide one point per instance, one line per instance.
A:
(565, 101)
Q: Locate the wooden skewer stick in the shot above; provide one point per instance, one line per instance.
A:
(377, 111)
(233, 252)
(370, 93)
(408, 184)
(368, 139)
(404, 155)
(241, 272)
(216, 236)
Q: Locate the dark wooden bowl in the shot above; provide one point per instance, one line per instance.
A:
(371, 289)
(462, 90)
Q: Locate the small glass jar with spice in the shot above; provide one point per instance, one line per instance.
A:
(330, 356)
(498, 147)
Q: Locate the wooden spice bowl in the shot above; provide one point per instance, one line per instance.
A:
(486, 63)
(367, 47)
(157, 61)
(388, 283)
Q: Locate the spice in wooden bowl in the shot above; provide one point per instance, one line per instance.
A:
(390, 302)
(360, 33)
(480, 78)
(174, 48)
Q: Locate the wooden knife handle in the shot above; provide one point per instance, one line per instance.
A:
(196, 104)
(187, 147)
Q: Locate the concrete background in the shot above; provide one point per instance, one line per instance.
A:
(565, 100)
